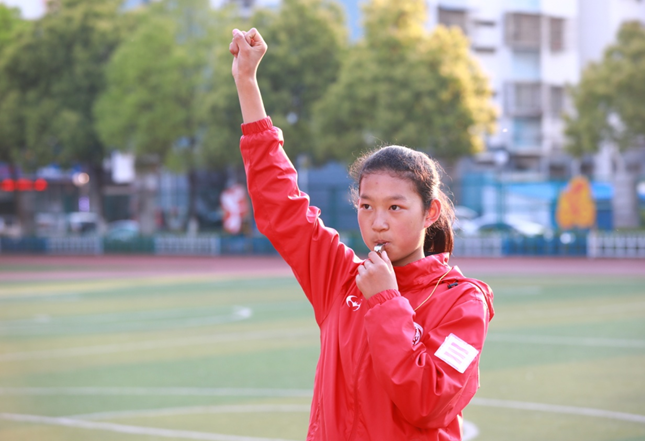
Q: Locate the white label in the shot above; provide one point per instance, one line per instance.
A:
(457, 353)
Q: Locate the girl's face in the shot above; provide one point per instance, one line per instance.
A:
(390, 212)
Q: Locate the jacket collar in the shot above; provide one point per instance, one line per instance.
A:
(421, 273)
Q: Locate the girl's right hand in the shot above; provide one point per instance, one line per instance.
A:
(247, 49)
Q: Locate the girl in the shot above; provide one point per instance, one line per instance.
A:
(400, 332)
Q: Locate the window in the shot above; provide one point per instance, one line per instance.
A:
(556, 100)
(524, 99)
(452, 17)
(487, 23)
(526, 65)
(484, 50)
(527, 133)
(523, 30)
(556, 34)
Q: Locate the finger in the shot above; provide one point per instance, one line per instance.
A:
(233, 48)
(374, 256)
(239, 39)
(253, 37)
(385, 257)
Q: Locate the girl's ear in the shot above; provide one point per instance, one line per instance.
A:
(433, 213)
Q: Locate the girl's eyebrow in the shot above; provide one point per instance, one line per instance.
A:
(394, 197)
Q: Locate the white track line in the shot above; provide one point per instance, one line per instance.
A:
(554, 408)
(182, 391)
(122, 428)
(471, 431)
(569, 341)
(158, 344)
(156, 391)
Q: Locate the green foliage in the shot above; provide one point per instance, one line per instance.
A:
(306, 41)
(10, 23)
(11, 137)
(54, 72)
(608, 100)
(156, 78)
(402, 85)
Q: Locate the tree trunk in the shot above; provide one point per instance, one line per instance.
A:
(192, 225)
(97, 181)
(24, 212)
(146, 206)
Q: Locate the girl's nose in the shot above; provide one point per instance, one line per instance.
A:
(380, 222)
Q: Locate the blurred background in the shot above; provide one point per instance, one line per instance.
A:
(139, 301)
(119, 121)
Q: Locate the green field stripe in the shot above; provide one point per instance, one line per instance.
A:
(136, 430)
(568, 341)
(172, 411)
(44, 288)
(125, 321)
(554, 408)
(159, 344)
(158, 391)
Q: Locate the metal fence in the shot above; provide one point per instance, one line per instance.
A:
(615, 245)
(591, 245)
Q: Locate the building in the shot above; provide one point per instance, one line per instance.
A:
(529, 50)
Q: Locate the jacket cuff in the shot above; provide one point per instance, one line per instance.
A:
(382, 297)
(257, 126)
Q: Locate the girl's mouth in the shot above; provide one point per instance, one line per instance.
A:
(379, 247)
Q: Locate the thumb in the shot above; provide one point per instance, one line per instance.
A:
(386, 258)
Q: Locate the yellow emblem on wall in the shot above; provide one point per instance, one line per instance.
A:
(576, 207)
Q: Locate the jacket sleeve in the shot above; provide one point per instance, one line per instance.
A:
(283, 214)
(427, 390)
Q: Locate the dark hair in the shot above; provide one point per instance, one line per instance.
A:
(423, 172)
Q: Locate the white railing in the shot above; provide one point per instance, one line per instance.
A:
(75, 245)
(184, 245)
(598, 245)
(478, 246)
(616, 245)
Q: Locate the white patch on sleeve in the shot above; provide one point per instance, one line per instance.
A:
(457, 353)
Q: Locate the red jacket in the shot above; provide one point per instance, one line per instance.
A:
(386, 372)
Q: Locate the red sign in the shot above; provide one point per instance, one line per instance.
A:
(23, 184)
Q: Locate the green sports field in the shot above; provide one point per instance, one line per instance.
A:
(225, 349)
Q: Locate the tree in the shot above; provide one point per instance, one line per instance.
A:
(307, 42)
(402, 85)
(54, 72)
(154, 103)
(11, 118)
(609, 112)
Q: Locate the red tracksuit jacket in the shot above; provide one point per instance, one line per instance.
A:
(386, 372)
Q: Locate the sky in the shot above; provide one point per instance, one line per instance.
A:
(31, 9)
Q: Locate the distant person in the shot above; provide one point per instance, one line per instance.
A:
(401, 332)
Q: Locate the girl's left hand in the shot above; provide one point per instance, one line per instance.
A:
(376, 274)
(247, 49)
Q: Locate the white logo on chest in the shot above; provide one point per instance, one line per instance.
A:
(418, 332)
(353, 302)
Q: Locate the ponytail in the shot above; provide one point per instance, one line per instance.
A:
(439, 236)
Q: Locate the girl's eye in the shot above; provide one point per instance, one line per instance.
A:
(365, 206)
(395, 207)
